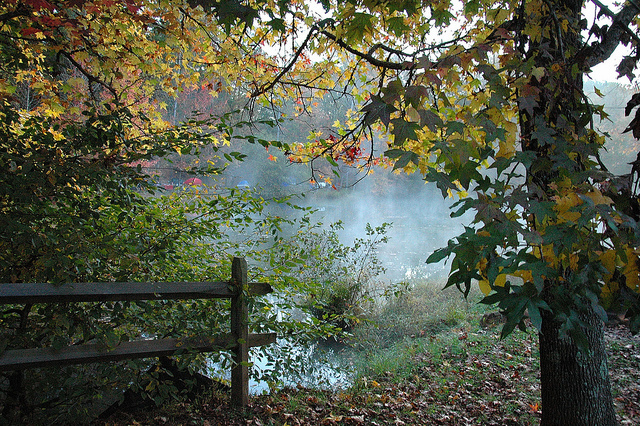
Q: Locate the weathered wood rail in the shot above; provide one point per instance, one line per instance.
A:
(239, 340)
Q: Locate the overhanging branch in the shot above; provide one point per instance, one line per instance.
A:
(90, 77)
(600, 51)
(266, 87)
(366, 56)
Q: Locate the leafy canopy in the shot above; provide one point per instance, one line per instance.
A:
(486, 99)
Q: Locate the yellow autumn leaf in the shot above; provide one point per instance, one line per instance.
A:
(485, 288)
(597, 197)
(631, 272)
(538, 73)
(565, 204)
(573, 261)
(507, 149)
(608, 290)
(482, 266)
(608, 260)
(57, 136)
(512, 132)
(547, 254)
(526, 275)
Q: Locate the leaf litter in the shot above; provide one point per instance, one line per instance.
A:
(482, 381)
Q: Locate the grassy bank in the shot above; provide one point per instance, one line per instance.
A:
(424, 358)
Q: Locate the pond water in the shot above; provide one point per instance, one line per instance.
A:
(316, 365)
(324, 364)
(419, 228)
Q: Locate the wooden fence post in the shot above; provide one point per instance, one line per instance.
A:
(240, 331)
(239, 340)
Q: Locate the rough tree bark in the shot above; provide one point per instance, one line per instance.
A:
(576, 388)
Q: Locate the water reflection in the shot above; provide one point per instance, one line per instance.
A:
(287, 363)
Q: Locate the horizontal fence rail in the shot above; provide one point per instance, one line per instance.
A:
(238, 341)
(107, 292)
(17, 359)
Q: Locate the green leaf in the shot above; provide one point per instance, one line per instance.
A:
(111, 339)
(331, 161)
(543, 134)
(377, 109)
(277, 24)
(442, 181)
(534, 315)
(542, 210)
(394, 153)
(430, 119)
(455, 127)
(438, 255)
(403, 130)
(396, 25)
(471, 7)
(514, 310)
(405, 159)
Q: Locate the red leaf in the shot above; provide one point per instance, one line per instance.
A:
(133, 7)
(29, 31)
(40, 4)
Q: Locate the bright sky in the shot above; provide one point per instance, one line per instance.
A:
(607, 70)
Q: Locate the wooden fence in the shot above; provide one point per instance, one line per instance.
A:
(239, 340)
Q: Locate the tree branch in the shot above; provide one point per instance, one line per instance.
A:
(90, 77)
(387, 49)
(266, 87)
(20, 11)
(367, 57)
(600, 51)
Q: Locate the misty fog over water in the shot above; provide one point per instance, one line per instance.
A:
(421, 223)
(420, 216)
(420, 219)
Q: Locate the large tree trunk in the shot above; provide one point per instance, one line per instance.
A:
(575, 385)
